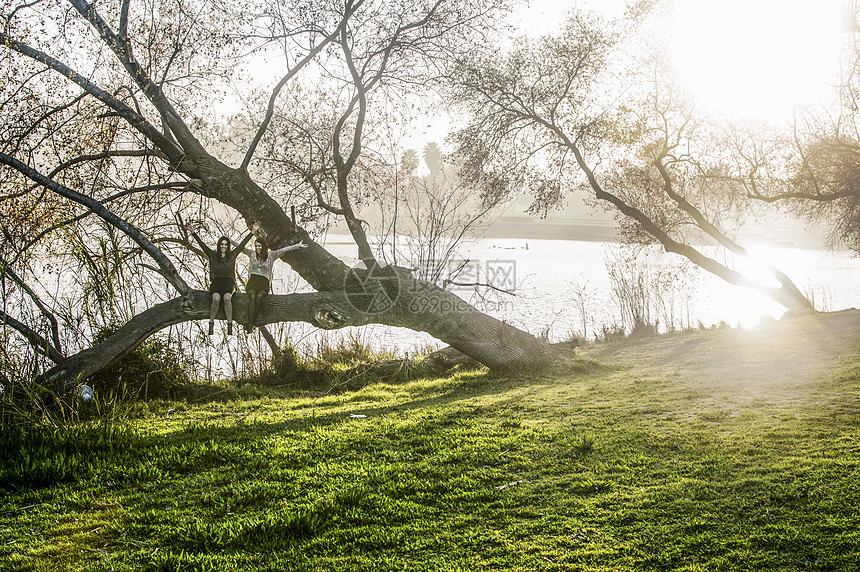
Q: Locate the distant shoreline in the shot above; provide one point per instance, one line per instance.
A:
(601, 230)
(526, 227)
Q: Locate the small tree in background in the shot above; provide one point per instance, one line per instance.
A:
(569, 112)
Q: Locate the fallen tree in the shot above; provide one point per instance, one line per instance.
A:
(472, 333)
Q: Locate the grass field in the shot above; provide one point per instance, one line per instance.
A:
(704, 450)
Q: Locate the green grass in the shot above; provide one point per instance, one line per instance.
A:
(609, 465)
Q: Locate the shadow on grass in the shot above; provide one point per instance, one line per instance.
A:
(441, 391)
(37, 457)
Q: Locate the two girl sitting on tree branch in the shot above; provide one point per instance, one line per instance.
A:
(222, 274)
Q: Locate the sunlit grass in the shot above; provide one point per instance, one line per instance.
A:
(600, 467)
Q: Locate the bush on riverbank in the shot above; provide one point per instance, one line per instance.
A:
(155, 372)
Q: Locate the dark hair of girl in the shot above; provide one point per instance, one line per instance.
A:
(218, 249)
(264, 250)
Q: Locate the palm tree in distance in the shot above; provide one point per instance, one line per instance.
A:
(433, 158)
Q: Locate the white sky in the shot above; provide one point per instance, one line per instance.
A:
(757, 59)
(741, 59)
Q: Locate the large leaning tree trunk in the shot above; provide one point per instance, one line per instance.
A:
(344, 296)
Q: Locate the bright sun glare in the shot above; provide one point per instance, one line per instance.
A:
(756, 58)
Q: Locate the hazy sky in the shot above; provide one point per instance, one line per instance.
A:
(741, 58)
(758, 58)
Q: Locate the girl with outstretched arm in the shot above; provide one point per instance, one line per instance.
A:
(222, 275)
(260, 275)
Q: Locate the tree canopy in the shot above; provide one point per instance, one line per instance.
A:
(597, 109)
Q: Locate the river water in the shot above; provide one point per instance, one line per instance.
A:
(562, 287)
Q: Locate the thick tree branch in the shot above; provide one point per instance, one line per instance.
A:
(422, 306)
(270, 339)
(123, 19)
(325, 310)
(788, 285)
(37, 342)
(344, 167)
(321, 202)
(6, 270)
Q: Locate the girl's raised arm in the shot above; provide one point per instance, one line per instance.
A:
(241, 245)
(288, 248)
(200, 242)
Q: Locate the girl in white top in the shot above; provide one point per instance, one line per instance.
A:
(260, 276)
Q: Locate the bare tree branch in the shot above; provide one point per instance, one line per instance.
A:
(122, 49)
(6, 270)
(132, 117)
(105, 155)
(169, 271)
(351, 8)
(37, 342)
